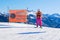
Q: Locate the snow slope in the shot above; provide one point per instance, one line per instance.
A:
(20, 31)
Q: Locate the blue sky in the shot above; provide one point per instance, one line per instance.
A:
(46, 6)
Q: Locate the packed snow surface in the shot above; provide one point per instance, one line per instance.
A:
(20, 31)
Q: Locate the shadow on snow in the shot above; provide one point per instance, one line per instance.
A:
(32, 32)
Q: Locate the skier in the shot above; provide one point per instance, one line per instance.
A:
(39, 18)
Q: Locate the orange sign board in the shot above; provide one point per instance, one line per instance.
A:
(17, 16)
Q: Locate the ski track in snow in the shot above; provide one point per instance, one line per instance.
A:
(20, 31)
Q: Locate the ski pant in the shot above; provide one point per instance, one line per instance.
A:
(39, 22)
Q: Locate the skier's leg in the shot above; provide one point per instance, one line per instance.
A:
(40, 23)
(37, 22)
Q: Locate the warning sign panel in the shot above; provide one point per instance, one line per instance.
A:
(17, 16)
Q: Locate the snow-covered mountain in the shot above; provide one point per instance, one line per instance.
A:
(52, 20)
